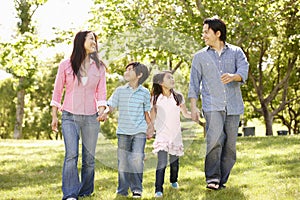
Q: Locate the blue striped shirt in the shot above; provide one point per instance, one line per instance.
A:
(207, 68)
(131, 105)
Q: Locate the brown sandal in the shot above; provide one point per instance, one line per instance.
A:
(213, 186)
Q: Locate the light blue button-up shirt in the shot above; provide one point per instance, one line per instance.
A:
(205, 78)
(131, 104)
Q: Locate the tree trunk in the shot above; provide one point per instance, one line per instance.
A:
(268, 122)
(268, 119)
(19, 110)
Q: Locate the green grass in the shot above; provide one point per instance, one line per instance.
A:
(266, 168)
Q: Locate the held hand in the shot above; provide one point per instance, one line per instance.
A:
(150, 131)
(102, 117)
(195, 115)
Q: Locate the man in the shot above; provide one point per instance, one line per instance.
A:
(220, 69)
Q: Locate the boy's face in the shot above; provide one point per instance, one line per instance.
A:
(129, 74)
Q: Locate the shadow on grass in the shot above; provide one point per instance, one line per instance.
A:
(228, 193)
(26, 173)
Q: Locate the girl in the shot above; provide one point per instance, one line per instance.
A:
(165, 116)
(83, 78)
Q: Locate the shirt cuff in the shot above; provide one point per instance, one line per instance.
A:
(54, 103)
(101, 103)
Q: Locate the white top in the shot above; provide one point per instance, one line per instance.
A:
(167, 125)
(84, 80)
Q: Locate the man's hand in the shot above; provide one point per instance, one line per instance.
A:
(227, 78)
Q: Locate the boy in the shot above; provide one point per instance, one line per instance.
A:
(133, 102)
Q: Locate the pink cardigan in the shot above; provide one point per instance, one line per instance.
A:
(79, 99)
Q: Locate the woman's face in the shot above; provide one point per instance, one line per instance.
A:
(90, 43)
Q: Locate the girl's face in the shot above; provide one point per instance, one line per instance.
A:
(90, 43)
(168, 81)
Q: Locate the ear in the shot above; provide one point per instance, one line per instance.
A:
(218, 34)
(139, 76)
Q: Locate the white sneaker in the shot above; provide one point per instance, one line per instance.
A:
(158, 194)
(71, 198)
(175, 185)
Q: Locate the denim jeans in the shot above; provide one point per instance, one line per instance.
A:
(130, 163)
(221, 138)
(72, 127)
(161, 168)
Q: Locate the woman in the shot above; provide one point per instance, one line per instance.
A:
(83, 77)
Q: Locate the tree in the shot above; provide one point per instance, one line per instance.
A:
(270, 43)
(18, 57)
(273, 51)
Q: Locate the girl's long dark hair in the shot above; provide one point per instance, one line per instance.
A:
(78, 54)
(157, 89)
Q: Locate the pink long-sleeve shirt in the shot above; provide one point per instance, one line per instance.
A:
(80, 99)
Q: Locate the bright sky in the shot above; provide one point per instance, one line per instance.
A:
(63, 14)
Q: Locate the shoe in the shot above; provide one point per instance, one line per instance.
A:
(213, 186)
(158, 194)
(71, 198)
(136, 195)
(222, 186)
(175, 185)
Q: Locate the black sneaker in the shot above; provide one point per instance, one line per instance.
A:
(136, 195)
(222, 187)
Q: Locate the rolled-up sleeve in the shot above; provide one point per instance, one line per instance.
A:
(59, 86)
(242, 65)
(195, 78)
(101, 89)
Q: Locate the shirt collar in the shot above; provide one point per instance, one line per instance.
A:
(161, 96)
(92, 61)
(209, 48)
(128, 86)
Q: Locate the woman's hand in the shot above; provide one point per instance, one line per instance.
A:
(102, 117)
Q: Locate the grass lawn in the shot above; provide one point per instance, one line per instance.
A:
(267, 168)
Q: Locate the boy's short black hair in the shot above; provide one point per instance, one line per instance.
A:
(138, 69)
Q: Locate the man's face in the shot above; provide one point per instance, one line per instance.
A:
(209, 36)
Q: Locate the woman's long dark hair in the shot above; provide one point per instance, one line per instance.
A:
(78, 54)
(157, 88)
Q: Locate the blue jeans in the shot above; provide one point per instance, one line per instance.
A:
(130, 163)
(221, 138)
(72, 126)
(161, 168)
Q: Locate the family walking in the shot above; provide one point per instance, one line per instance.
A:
(217, 71)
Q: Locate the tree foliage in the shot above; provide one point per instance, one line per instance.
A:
(270, 43)
(19, 59)
(164, 34)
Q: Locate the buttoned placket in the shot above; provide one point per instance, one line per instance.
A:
(221, 69)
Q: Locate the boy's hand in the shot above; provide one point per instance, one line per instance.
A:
(102, 117)
(150, 131)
